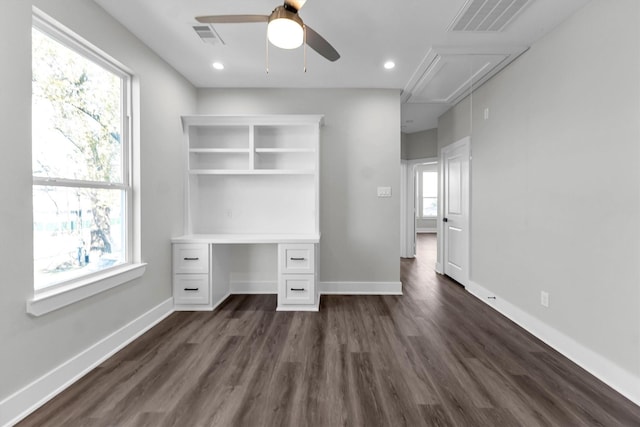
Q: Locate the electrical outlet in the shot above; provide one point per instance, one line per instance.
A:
(544, 299)
(384, 191)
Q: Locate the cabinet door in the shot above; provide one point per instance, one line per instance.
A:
(190, 258)
(297, 258)
(297, 289)
(191, 289)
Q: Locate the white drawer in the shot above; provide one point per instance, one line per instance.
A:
(190, 258)
(191, 289)
(296, 289)
(297, 258)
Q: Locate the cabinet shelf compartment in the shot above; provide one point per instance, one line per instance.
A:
(219, 150)
(281, 137)
(219, 137)
(285, 150)
(218, 161)
(252, 172)
(284, 160)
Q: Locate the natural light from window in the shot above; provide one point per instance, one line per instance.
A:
(429, 194)
(79, 160)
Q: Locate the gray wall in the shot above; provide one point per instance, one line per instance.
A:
(33, 346)
(359, 150)
(556, 180)
(419, 145)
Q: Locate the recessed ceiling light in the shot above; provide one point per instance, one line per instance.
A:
(389, 65)
(218, 65)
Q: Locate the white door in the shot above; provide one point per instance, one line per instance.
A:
(455, 210)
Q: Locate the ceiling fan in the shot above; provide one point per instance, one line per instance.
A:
(285, 28)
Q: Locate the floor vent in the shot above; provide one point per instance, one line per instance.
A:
(487, 15)
(208, 34)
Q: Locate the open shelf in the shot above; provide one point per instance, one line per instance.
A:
(252, 174)
(219, 150)
(285, 150)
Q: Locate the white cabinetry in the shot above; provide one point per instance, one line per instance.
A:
(252, 175)
(297, 289)
(191, 274)
(252, 180)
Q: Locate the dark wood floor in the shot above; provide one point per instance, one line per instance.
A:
(435, 357)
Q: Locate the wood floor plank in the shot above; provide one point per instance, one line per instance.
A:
(366, 397)
(435, 415)
(435, 356)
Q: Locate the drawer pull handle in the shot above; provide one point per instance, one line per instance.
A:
(191, 289)
(298, 289)
(191, 259)
(297, 259)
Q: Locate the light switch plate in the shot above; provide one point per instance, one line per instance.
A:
(384, 191)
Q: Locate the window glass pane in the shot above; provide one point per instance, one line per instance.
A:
(76, 115)
(76, 231)
(429, 206)
(429, 184)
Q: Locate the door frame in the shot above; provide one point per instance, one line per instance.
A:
(466, 141)
(408, 204)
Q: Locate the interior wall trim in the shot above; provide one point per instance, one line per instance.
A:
(26, 400)
(360, 288)
(431, 230)
(254, 287)
(621, 380)
(326, 288)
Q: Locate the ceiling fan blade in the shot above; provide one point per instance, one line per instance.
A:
(231, 19)
(316, 42)
(295, 4)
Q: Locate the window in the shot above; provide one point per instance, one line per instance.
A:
(427, 192)
(80, 160)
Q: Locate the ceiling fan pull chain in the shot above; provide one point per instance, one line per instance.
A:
(304, 47)
(267, 54)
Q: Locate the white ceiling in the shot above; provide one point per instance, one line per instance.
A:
(434, 66)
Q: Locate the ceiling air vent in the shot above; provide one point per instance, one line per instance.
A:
(208, 34)
(487, 15)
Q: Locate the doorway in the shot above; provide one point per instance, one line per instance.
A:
(419, 201)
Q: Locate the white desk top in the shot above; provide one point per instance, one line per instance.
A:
(247, 238)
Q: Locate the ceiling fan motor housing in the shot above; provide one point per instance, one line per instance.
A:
(286, 12)
(285, 28)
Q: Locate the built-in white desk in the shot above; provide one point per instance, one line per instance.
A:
(201, 275)
(247, 238)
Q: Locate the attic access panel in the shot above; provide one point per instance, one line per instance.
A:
(449, 74)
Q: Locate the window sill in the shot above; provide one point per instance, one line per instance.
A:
(47, 302)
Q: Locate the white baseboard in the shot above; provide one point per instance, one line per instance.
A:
(255, 287)
(315, 307)
(619, 379)
(427, 230)
(439, 268)
(31, 397)
(360, 288)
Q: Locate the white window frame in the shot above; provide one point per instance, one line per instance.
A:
(427, 167)
(57, 296)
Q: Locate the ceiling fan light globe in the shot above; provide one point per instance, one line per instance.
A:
(285, 33)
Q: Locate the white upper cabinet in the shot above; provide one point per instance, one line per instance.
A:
(252, 174)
